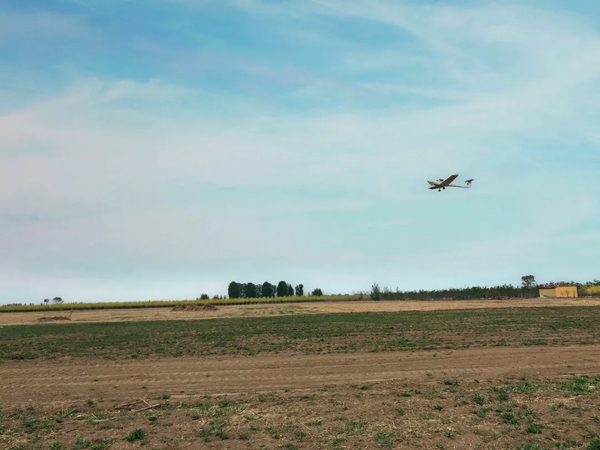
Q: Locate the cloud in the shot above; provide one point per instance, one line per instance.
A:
(312, 168)
(479, 49)
(151, 188)
(20, 27)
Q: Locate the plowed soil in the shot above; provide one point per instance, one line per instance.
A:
(54, 383)
(499, 398)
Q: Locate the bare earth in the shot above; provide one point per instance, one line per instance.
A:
(58, 383)
(481, 398)
(420, 400)
(148, 314)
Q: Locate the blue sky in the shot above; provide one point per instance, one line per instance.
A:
(161, 149)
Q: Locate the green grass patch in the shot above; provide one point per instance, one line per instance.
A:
(580, 385)
(317, 333)
(136, 435)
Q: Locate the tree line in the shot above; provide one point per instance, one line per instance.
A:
(582, 288)
(474, 292)
(529, 289)
(266, 289)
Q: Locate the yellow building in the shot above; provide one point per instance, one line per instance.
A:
(558, 291)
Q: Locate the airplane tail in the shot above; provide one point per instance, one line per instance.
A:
(468, 182)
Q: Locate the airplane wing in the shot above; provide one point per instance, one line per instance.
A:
(448, 180)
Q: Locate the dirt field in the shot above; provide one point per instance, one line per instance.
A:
(149, 314)
(504, 377)
(58, 383)
(498, 398)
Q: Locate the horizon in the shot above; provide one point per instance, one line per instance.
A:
(308, 293)
(164, 149)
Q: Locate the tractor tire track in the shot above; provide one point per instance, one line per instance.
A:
(43, 382)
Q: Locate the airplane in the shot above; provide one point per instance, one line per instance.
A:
(443, 184)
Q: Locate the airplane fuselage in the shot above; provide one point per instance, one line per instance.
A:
(442, 184)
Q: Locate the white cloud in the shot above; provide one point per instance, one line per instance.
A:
(134, 171)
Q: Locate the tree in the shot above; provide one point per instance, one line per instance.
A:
(250, 290)
(259, 293)
(317, 292)
(267, 289)
(57, 300)
(290, 290)
(204, 297)
(300, 290)
(282, 289)
(242, 290)
(528, 281)
(234, 290)
(375, 292)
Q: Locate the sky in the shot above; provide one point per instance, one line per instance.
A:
(161, 149)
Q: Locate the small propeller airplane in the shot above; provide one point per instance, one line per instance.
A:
(443, 184)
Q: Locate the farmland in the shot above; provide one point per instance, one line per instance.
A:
(29, 317)
(171, 303)
(308, 334)
(505, 377)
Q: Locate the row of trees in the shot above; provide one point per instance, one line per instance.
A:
(582, 288)
(529, 289)
(266, 289)
(587, 284)
(474, 292)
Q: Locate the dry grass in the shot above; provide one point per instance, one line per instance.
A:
(231, 311)
(543, 413)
